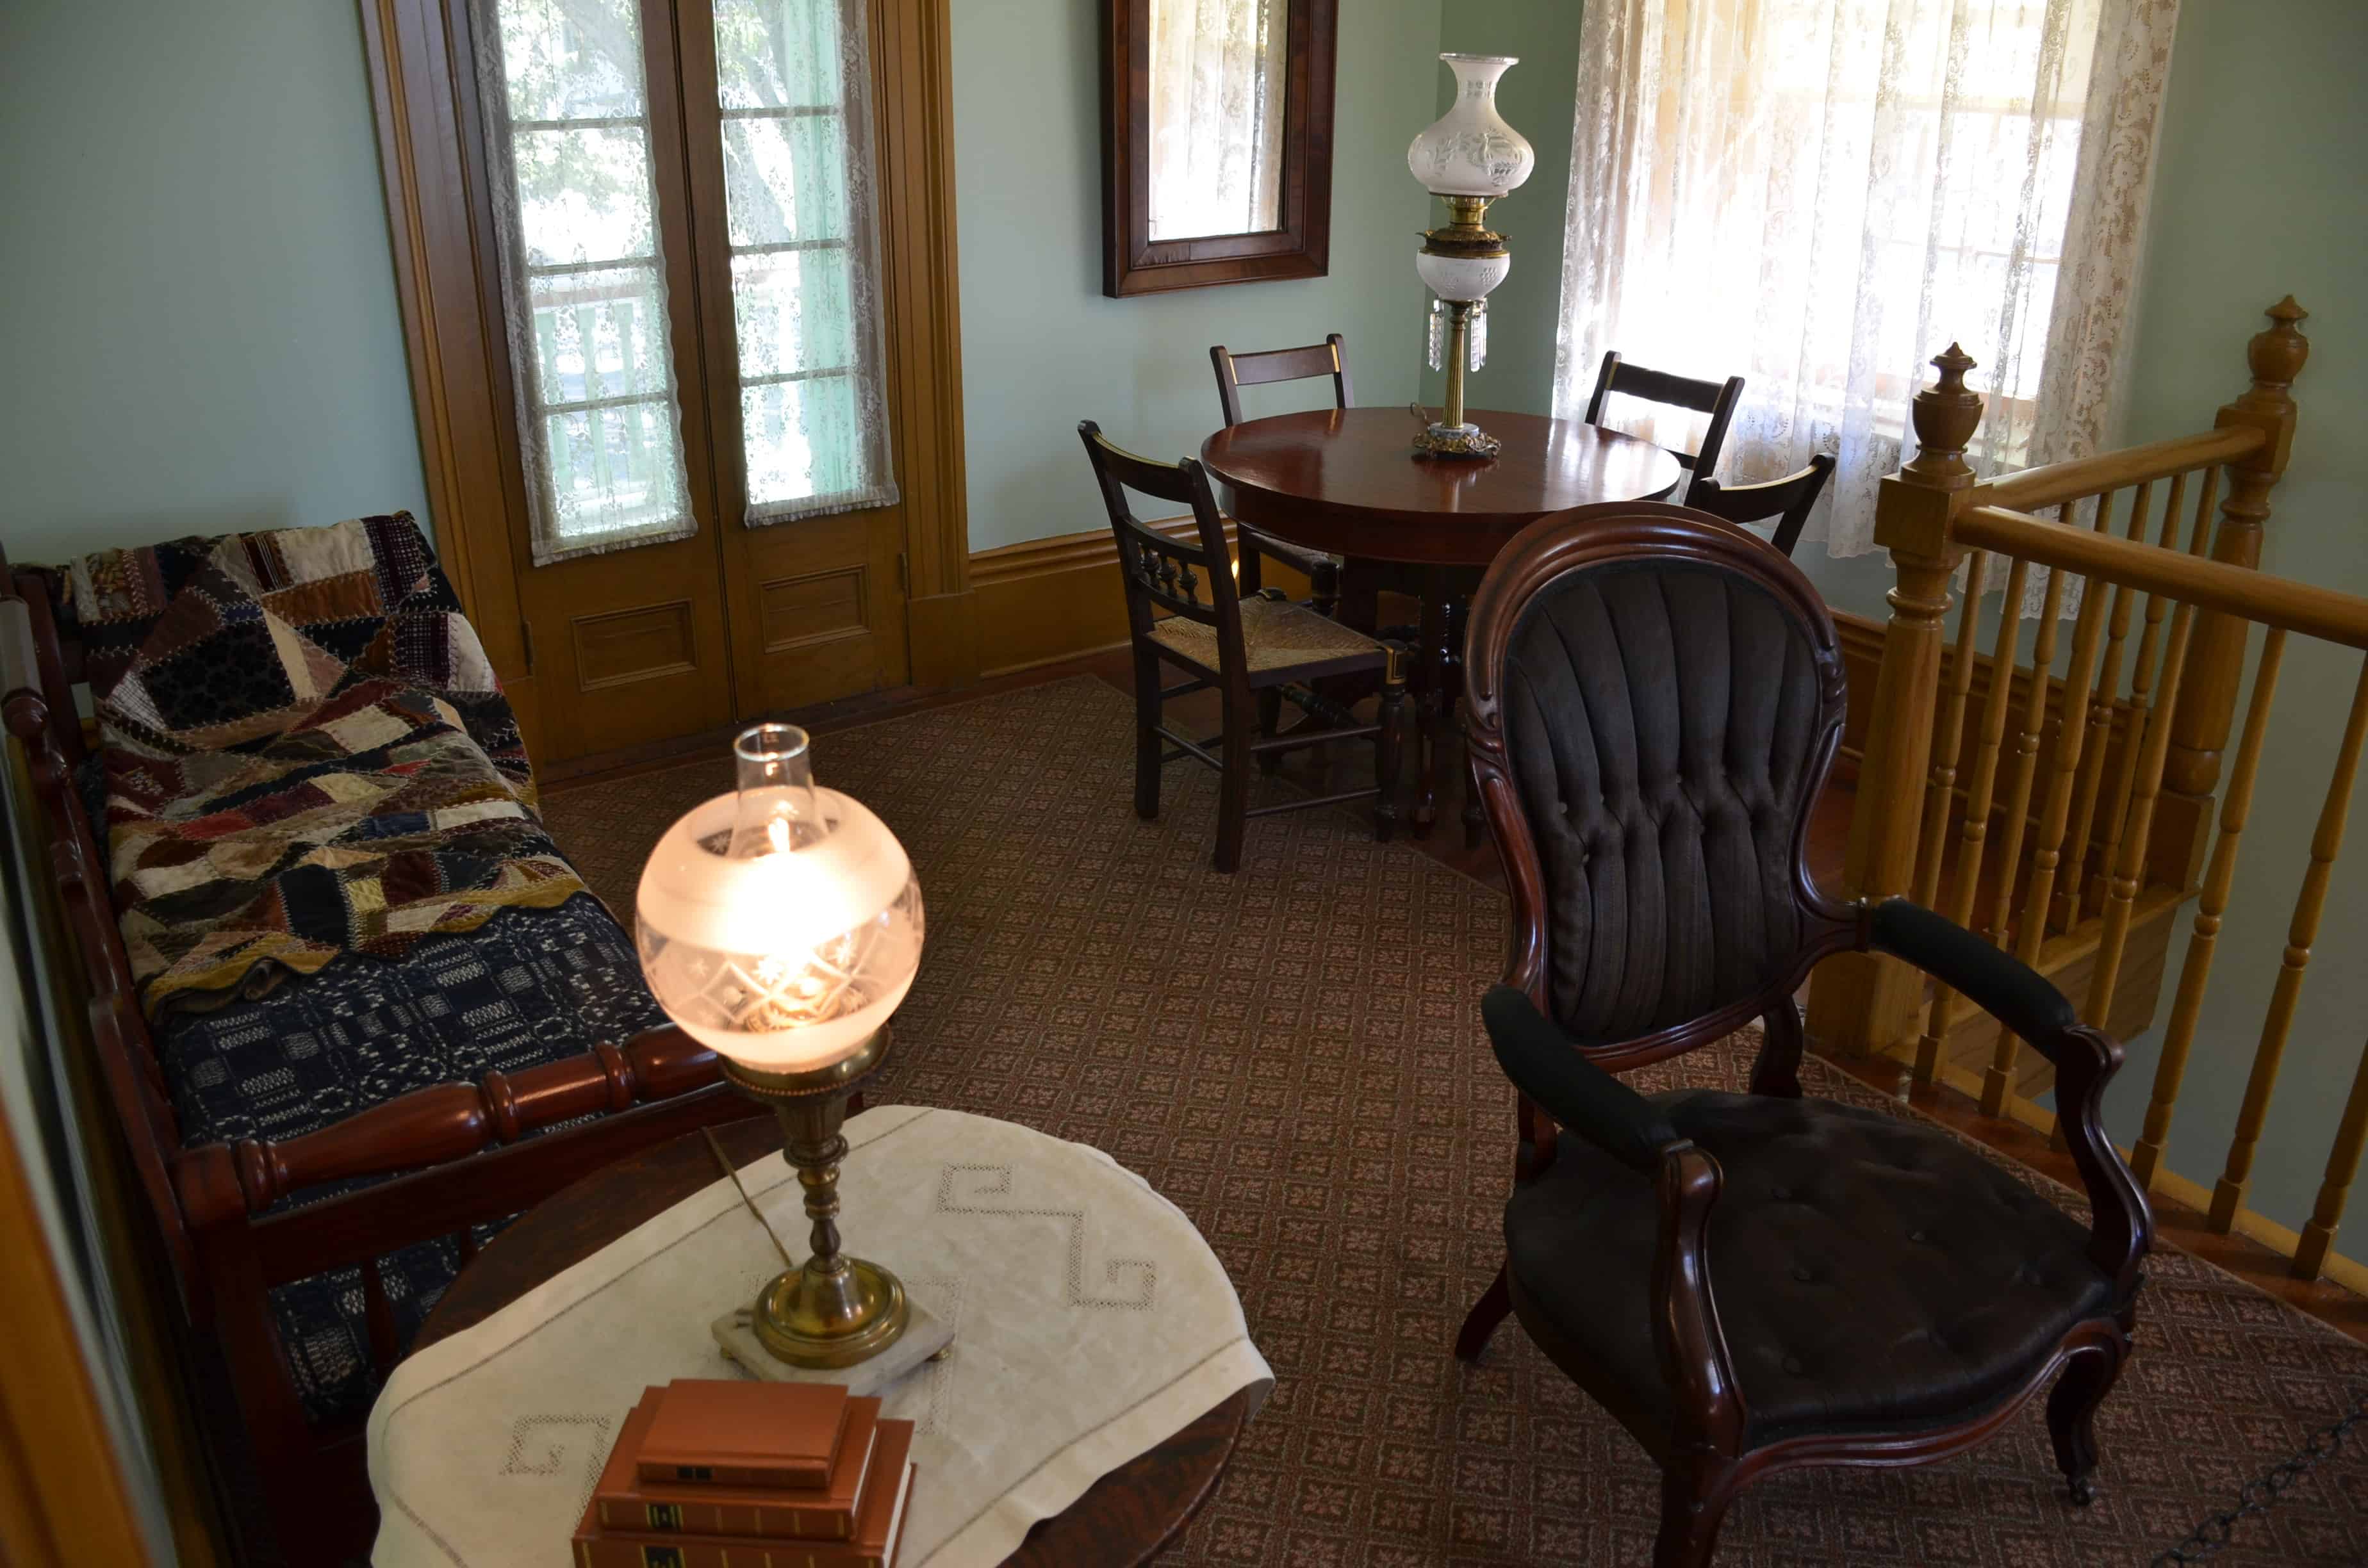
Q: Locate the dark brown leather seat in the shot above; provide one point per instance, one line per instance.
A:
(1871, 1272)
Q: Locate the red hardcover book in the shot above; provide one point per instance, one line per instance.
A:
(743, 1434)
(880, 1530)
(625, 1500)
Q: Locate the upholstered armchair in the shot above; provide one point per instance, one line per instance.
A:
(1748, 1282)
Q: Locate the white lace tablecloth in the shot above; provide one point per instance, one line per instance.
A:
(1092, 1322)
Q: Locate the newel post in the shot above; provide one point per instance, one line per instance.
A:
(2215, 658)
(1859, 1002)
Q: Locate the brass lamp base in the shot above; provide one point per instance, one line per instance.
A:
(835, 1310)
(1457, 441)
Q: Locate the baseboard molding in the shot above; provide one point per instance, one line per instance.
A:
(1044, 600)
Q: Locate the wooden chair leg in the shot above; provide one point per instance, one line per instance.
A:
(1494, 1306)
(2072, 1405)
(1146, 733)
(1234, 780)
(1693, 1502)
(1269, 709)
(1326, 583)
(1389, 750)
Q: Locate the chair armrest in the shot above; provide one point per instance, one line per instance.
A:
(2000, 984)
(2085, 1060)
(1546, 1065)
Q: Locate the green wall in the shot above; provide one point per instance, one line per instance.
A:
(1042, 348)
(2258, 193)
(199, 315)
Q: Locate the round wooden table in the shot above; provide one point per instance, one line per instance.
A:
(1348, 481)
(1123, 1519)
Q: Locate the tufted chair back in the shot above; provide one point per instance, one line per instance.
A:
(1656, 700)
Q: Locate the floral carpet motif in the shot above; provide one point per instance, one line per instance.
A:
(1294, 1055)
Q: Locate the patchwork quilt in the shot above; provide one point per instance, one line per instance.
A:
(307, 754)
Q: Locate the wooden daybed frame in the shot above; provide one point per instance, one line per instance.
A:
(226, 1235)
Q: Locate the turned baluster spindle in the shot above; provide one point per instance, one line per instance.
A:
(2048, 842)
(2122, 889)
(1974, 832)
(2105, 702)
(2026, 747)
(2145, 713)
(2342, 1165)
(1948, 740)
(2326, 845)
(2212, 902)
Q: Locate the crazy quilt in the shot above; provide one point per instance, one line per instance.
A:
(307, 754)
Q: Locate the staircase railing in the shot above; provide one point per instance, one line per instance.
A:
(2061, 799)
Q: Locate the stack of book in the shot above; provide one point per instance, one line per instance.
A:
(741, 1475)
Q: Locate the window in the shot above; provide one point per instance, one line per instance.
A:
(579, 203)
(1818, 195)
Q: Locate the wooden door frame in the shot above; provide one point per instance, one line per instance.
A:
(422, 91)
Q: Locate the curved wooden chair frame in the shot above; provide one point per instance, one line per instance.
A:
(1706, 1459)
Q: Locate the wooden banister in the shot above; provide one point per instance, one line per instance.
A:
(447, 1121)
(2209, 584)
(2055, 483)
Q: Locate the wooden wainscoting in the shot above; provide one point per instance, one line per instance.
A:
(1047, 599)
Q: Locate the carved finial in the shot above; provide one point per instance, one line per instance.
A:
(2277, 353)
(1946, 416)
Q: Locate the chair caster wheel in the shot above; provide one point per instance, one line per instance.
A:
(2084, 1490)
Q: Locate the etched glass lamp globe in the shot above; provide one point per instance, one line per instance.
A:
(779, 926)
(1470, 157)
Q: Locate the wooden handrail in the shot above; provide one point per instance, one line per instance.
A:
(2081, 478)
(2305, 608)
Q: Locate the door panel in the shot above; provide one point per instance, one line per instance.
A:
(817, 609)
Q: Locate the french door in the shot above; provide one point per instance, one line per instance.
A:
(689, 320)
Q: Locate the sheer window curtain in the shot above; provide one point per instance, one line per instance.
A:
(1216, 116)
(1820, 194)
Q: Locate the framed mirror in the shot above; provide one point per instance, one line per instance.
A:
(1216, 141)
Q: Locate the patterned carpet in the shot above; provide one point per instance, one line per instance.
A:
(1294, 1054)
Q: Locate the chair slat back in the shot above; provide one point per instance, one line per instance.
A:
(1235, 371)
(1717, 399)
(1180, 576)
(1788, 500)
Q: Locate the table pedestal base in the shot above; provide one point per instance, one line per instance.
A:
(1438, 674)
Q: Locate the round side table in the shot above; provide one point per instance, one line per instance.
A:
(1124, 1520)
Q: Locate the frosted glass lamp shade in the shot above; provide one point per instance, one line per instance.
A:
(779, 939)
(1470, 150)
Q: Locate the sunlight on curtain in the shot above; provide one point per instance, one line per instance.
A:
(794, 79)
(1819, 195)
(1216, 116)
(585, 292)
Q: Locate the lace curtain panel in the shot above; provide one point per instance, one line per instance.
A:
(1819, 195)
(794, 86)
(574, 206)
(1216, 116)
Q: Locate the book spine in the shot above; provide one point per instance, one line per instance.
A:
(615, 1551)
(805, 1473)
(774, 1521)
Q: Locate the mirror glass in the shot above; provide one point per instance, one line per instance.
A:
(1217, 100)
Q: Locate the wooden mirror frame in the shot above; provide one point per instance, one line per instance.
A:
(1301, 247)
